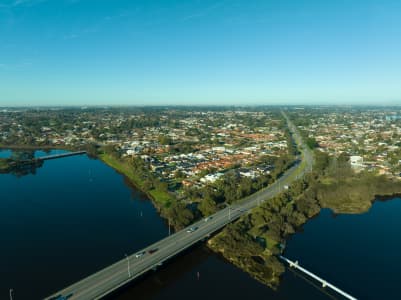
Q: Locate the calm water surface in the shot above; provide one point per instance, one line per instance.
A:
(359, 253)
(77, 215)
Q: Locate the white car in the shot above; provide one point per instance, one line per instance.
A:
(192, 229)
(139, 254)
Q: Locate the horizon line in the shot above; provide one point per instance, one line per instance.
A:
(195, 105)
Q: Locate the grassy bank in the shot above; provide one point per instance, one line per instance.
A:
(160, 198)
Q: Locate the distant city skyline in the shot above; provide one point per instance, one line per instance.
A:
(87, 52)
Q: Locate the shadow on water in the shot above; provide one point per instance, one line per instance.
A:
(313, 284)
(151, 284)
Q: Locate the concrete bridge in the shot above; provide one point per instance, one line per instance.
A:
(131, 267)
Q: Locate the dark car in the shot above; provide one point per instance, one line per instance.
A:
(150, 251)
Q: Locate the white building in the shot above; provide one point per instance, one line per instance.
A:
(211, 177)
(356, 161)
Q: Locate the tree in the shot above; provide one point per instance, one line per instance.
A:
(179, 215)
(312, 143)
(207, 206)
(321, 161)
(165, 140)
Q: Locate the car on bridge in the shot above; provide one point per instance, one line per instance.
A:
(192, 229)
(139, 254)
(153, 250)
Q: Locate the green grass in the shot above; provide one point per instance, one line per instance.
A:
(327, 181)
(123, 167)
(161, 196)
(269, 241)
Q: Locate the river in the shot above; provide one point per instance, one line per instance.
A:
(77, 215)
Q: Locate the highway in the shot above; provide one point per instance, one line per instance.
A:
(112, 277)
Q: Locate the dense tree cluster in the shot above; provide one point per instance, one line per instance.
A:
(178, 214)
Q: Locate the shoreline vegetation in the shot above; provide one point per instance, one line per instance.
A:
(158, 197)
(253, 242)
(137, 173)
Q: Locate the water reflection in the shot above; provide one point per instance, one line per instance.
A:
(23, 169)
(21, 162)
(150, 285)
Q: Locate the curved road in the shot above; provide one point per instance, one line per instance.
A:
(111, 278)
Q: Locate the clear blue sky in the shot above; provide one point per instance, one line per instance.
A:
(126, 52)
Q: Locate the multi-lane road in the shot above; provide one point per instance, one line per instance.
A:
(111, 278)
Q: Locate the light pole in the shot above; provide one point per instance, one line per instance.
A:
(229, 212)
(11, 294)
(169, 230)
(129, 270)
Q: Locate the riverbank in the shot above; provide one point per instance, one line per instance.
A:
(159, 198)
